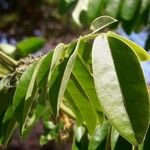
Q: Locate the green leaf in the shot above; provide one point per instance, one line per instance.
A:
(5, 100)
(66, 74)
(80, 141)
(30, 45)
(85, 54)
(65, 5)
(122, 144)
(95, 8)
(82, 74)
(140, 52)
(42, 75)
(146, 143)
(129, 9)
(114, 138)
(121, 87)
(82, 5)
(58, 65)
(77, 86)
(5, 103)
(38, 112)
(78, 95)
(145, 5)
(41, 69)
(9, 130)
(39, 75)
(99, 136)
(8, 114)
(113, 8)
(101, 22)
(54, 86)
(22, 86)
(56, 56)
(68, 100)
(118, 142)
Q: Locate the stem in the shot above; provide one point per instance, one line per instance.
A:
(66, 110)
(135, 147)
(108, 140)
(8, 60)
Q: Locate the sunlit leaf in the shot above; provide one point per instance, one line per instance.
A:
(141, 53)
(82, 5)
(122, 93)
(101, 22)
(8, 49)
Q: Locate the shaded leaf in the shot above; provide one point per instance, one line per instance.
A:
(8, 114)
(85, 80)
(81, 100)
(11, 125)
(113, 8)
(146, 143)
(129, 9)
(68, 100)
(118, 142)
(80, 141)
(38, 112)
(95, 8)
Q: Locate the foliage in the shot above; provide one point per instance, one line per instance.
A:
(132, 14)
(94, 83)
(23, 48)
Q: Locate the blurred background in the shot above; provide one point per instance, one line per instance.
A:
(58, 21)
